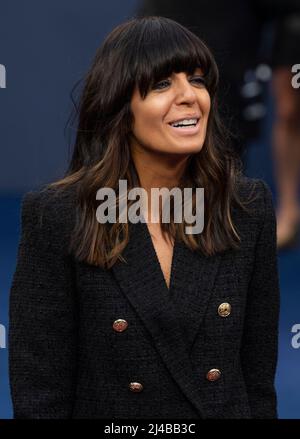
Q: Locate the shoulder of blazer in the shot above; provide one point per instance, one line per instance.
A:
(247, 186)
(258, 200)
(48, 216)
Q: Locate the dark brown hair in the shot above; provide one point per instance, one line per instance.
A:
(139, 53)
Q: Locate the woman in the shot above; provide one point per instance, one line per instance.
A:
(135, 319)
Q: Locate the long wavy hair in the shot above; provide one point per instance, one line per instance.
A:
(139, 53)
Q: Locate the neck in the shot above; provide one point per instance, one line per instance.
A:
(158, 170)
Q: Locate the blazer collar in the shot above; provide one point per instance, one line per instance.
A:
(172, 316)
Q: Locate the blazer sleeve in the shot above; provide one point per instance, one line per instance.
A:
(260, 336)
(42, 318)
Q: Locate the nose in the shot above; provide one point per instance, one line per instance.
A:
(185, 92)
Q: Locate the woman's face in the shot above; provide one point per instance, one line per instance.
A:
(174, 99)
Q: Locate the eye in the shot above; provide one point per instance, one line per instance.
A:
(161, 84)
(199, 80)
(166, 82)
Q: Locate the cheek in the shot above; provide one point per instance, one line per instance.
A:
(149, 117)
(206, 103)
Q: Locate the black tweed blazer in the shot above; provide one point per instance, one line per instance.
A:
(189, 360)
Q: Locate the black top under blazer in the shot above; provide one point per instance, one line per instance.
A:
(66, 360)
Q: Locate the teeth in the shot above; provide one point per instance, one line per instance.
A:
(185, 122)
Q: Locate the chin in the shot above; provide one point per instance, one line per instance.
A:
(191, 149)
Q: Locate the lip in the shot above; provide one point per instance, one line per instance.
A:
(186, 131)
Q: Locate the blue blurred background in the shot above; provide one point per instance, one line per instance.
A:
(46, 47)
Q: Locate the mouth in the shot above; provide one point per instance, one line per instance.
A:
(188, 129)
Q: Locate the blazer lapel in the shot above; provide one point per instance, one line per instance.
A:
(141, 280)
(192, 284)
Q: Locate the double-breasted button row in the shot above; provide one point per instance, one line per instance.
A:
(224, 310)
(212, 375)
(121, 325)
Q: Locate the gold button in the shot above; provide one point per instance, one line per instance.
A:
(213, 374)
(120, 325)
(224, 309)
(135, 387)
